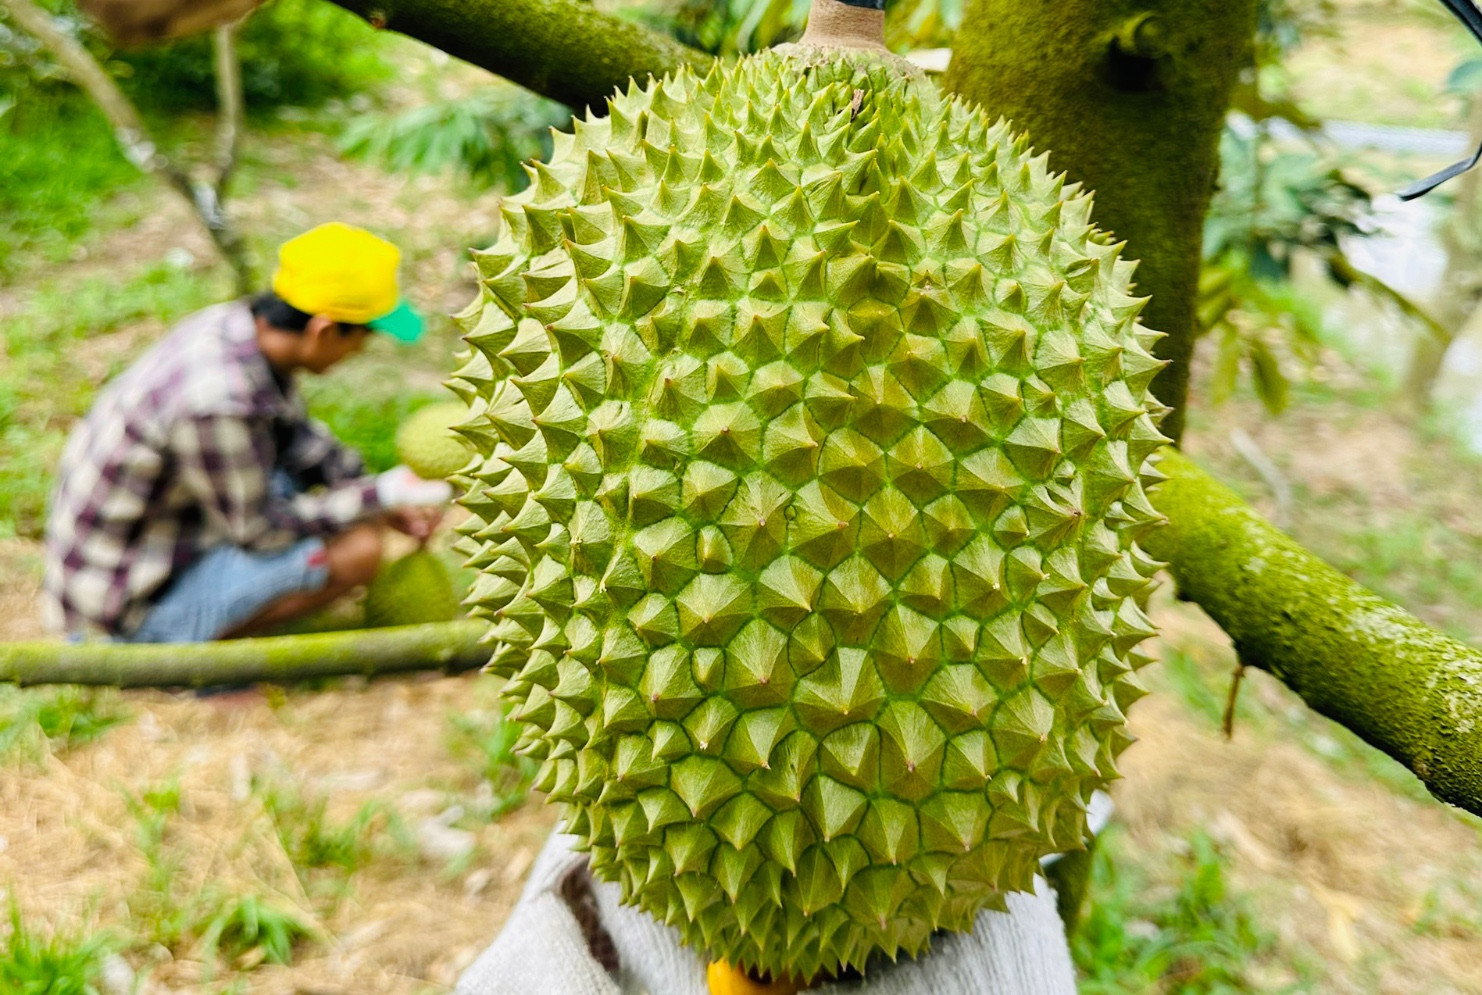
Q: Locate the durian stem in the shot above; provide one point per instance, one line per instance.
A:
(1369, 665)
(1129, 97)
(567, 50)
(840, 24)
(451, 647)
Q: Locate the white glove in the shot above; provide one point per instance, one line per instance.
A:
(399, 487)
(543, 950)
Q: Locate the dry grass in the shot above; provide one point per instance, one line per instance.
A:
(408, 921)
(1374, 885)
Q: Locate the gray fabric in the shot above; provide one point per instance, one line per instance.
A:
(541, 951)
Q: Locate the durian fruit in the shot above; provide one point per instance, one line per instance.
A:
(814, 423)
(427, 443)
(412, 590)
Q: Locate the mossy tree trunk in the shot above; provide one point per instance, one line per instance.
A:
(1129, 96)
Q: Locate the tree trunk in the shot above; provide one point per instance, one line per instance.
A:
(565, 49)
(1365, 663)
(1129, 97)
(451, 647)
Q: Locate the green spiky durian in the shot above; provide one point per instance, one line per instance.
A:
(427, 443)
(412, 590)
(815, 424)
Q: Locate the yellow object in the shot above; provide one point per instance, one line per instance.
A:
(340, 271)
(724, 979)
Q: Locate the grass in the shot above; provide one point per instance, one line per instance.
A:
(325, 853)
(211, 922)
(249, 930)
(487, 737)
(34, 722)
(62, 964)
(57, 160)
(1179, 930)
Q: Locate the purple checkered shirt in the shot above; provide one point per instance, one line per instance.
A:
(177, 456)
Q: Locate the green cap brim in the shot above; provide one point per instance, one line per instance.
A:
(403, 324)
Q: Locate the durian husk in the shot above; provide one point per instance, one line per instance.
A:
(814, 423)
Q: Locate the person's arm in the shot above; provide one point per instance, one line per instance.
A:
(226, 463)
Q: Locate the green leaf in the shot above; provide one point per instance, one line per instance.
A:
(1226, 366)
(1270, 383)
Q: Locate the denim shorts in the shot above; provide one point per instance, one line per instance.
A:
(228, 586)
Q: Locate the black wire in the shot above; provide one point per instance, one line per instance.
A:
(1467, 13)
(867, 4)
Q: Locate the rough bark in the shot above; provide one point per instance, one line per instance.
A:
(564, 49)
(1130, 97)
(451, 647)
(1353, 656)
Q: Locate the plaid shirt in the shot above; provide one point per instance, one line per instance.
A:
(177, 456)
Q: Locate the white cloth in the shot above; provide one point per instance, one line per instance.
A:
(541, 950)
(399, 487)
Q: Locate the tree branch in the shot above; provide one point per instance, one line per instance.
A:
(564, 49)
(451, 647)
(229, 104)
(1403, 687)
(138, 145)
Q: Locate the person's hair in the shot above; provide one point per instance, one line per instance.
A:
(284, 316)
(279, 313)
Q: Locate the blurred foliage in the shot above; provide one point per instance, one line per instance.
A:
(35, 722)
(62, 964)
(1274, 202)
(365, 422)
(298, 53)
(1284, 25)
(293, 52)
(488, 136)
(57, 159)
(1283, 196)
(739, 27)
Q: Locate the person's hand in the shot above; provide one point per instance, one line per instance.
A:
(400, 488)
(570, 935)
(418, 523)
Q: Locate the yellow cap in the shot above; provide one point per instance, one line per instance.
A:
(340, 271)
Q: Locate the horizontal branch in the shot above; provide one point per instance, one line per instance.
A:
(1351, 655)
(452, 647)
(567, 50)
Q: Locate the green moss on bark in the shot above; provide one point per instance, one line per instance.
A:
(1129, 97)
(567, 50)
(1358, 659)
